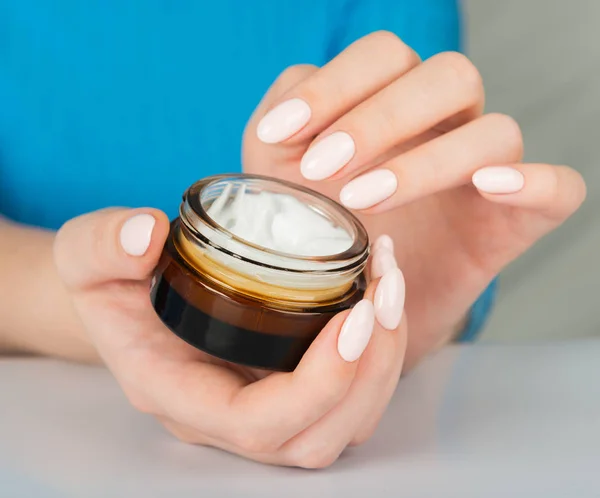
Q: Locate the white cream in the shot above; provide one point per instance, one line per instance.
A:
(278, 222)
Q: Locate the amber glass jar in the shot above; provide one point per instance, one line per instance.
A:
(245, 303)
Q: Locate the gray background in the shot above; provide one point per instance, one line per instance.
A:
(540, 60)
(462, 425)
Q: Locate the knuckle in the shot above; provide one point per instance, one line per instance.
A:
(184, 437)
(332, 390)
(63, 253)
(130, 377)
(318, 458)
(507, 127)
(568, 191)
(61, 239)
(580, 187)
(391, 44)
(549, 198)
(138, 402)
(384, 38)
(460, 68)
(383, 129)
(391, 355)
(321, 93)
(97, 240)
(363, 436)
(576, 189)
(295, 73)
(58, 250)
(250, 441)
(390, 368)
(182, 433)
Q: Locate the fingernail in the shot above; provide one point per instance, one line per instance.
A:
(499, 180)
(283, 121)
(389, 299)
(383, 241)
(383, 262)
(369, 189)
(356, 331)
(136, 234)
(327, 156)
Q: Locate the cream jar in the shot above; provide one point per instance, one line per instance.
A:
(227, 285)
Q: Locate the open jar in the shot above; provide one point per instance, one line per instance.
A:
(228, 286)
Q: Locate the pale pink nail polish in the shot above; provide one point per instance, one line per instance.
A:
(383, 241)
(356, 331)
(369, 189)
(383, 261)
(136, 234)
(499, 180)
(283, 121)
(328, 156)
(389, 299)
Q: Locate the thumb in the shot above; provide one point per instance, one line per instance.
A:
(109, 245)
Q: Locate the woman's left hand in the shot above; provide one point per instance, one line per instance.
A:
(407, 141)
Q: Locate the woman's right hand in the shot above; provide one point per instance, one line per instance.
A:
(334, 398)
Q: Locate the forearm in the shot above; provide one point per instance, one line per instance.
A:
(36, 314)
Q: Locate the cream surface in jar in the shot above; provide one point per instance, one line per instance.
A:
(279, 222)
(254, 267)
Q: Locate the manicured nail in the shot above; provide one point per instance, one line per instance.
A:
(328, 156)
(356, 331)
(389, 299)
(499, 180)
(383, 262)
(136, 234)
(283, 121)
(369, 189)
(383, 241)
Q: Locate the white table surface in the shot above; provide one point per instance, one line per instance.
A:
(478, 421)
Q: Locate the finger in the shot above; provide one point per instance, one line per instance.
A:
(318, 101)
(382, 262)
(318, 455)
(443, 163)
(287, 80)
(431, 93)
(260, 417)
(380, 366)
(382, 257)
(556, 192)
(273, 410)
(189, 435)
(157, 376)
(308, 455)
(371, 422)
(292, 76)
(108, 245)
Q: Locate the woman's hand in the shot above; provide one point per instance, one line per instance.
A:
(306, 418)
(405, 143)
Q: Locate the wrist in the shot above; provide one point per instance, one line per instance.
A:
(38, 317)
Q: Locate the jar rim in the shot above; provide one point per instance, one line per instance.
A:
(193, 215)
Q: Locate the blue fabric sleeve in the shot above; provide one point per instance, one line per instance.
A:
(428, 26)
(479, 313)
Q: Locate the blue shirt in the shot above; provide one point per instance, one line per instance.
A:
(113, 102)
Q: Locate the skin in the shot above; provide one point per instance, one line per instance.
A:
(423, 121)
